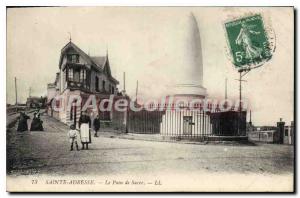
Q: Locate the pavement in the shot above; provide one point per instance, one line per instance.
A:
(47, 152)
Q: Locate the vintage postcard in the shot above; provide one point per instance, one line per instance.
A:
(150, 99)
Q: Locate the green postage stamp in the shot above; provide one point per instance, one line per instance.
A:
(248, 41)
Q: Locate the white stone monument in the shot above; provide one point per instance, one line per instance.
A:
(188, 86)
(190, 82)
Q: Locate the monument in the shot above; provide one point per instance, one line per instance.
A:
(190, 83)
(188, 86)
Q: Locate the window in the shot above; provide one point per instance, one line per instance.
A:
(103, 85)
(97, 83)
(112, 90)
(82, 75)
(73, 58)
(70, 73)
(76, 75)
(109, 88)
(69, 58)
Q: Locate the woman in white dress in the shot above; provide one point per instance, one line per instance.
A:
(85, 125)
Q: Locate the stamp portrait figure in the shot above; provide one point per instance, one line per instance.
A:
(244, 39)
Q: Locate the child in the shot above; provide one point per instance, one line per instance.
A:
(73, 137)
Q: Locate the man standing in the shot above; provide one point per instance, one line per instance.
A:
(85, 125)
(96, 125)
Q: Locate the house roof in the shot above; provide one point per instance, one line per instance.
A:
(98, 62)
(80, 52)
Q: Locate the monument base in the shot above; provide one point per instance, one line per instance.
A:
(187, 91)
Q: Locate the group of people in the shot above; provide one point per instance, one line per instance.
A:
(83, 135)
(36, 124)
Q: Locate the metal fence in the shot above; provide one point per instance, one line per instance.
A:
(181, 123)
(116, 123)
(170, 122)
(228, 123)
(185, 122)
(263, 136)
(144, 122)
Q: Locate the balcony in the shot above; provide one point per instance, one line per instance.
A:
(78, 85)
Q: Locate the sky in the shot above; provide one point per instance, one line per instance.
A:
(148, 44)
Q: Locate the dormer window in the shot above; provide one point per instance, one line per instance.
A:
(73, 58)
(70, 73)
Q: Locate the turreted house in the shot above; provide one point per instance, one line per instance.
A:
(83, 75)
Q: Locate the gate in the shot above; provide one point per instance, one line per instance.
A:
(187, 125)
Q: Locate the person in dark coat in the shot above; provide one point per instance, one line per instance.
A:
(85, 134)
(37, 123)
(22, 125)
(96, 125)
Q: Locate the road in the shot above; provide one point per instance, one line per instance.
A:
(48, 152)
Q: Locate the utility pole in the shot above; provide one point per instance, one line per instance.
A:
(240, 86)
(250, 122)
(225, 88)
(136, 91)
(240, 105)
(124, 87)
(29, 92)
(240, 91)
(16, 90)
(126, 117)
